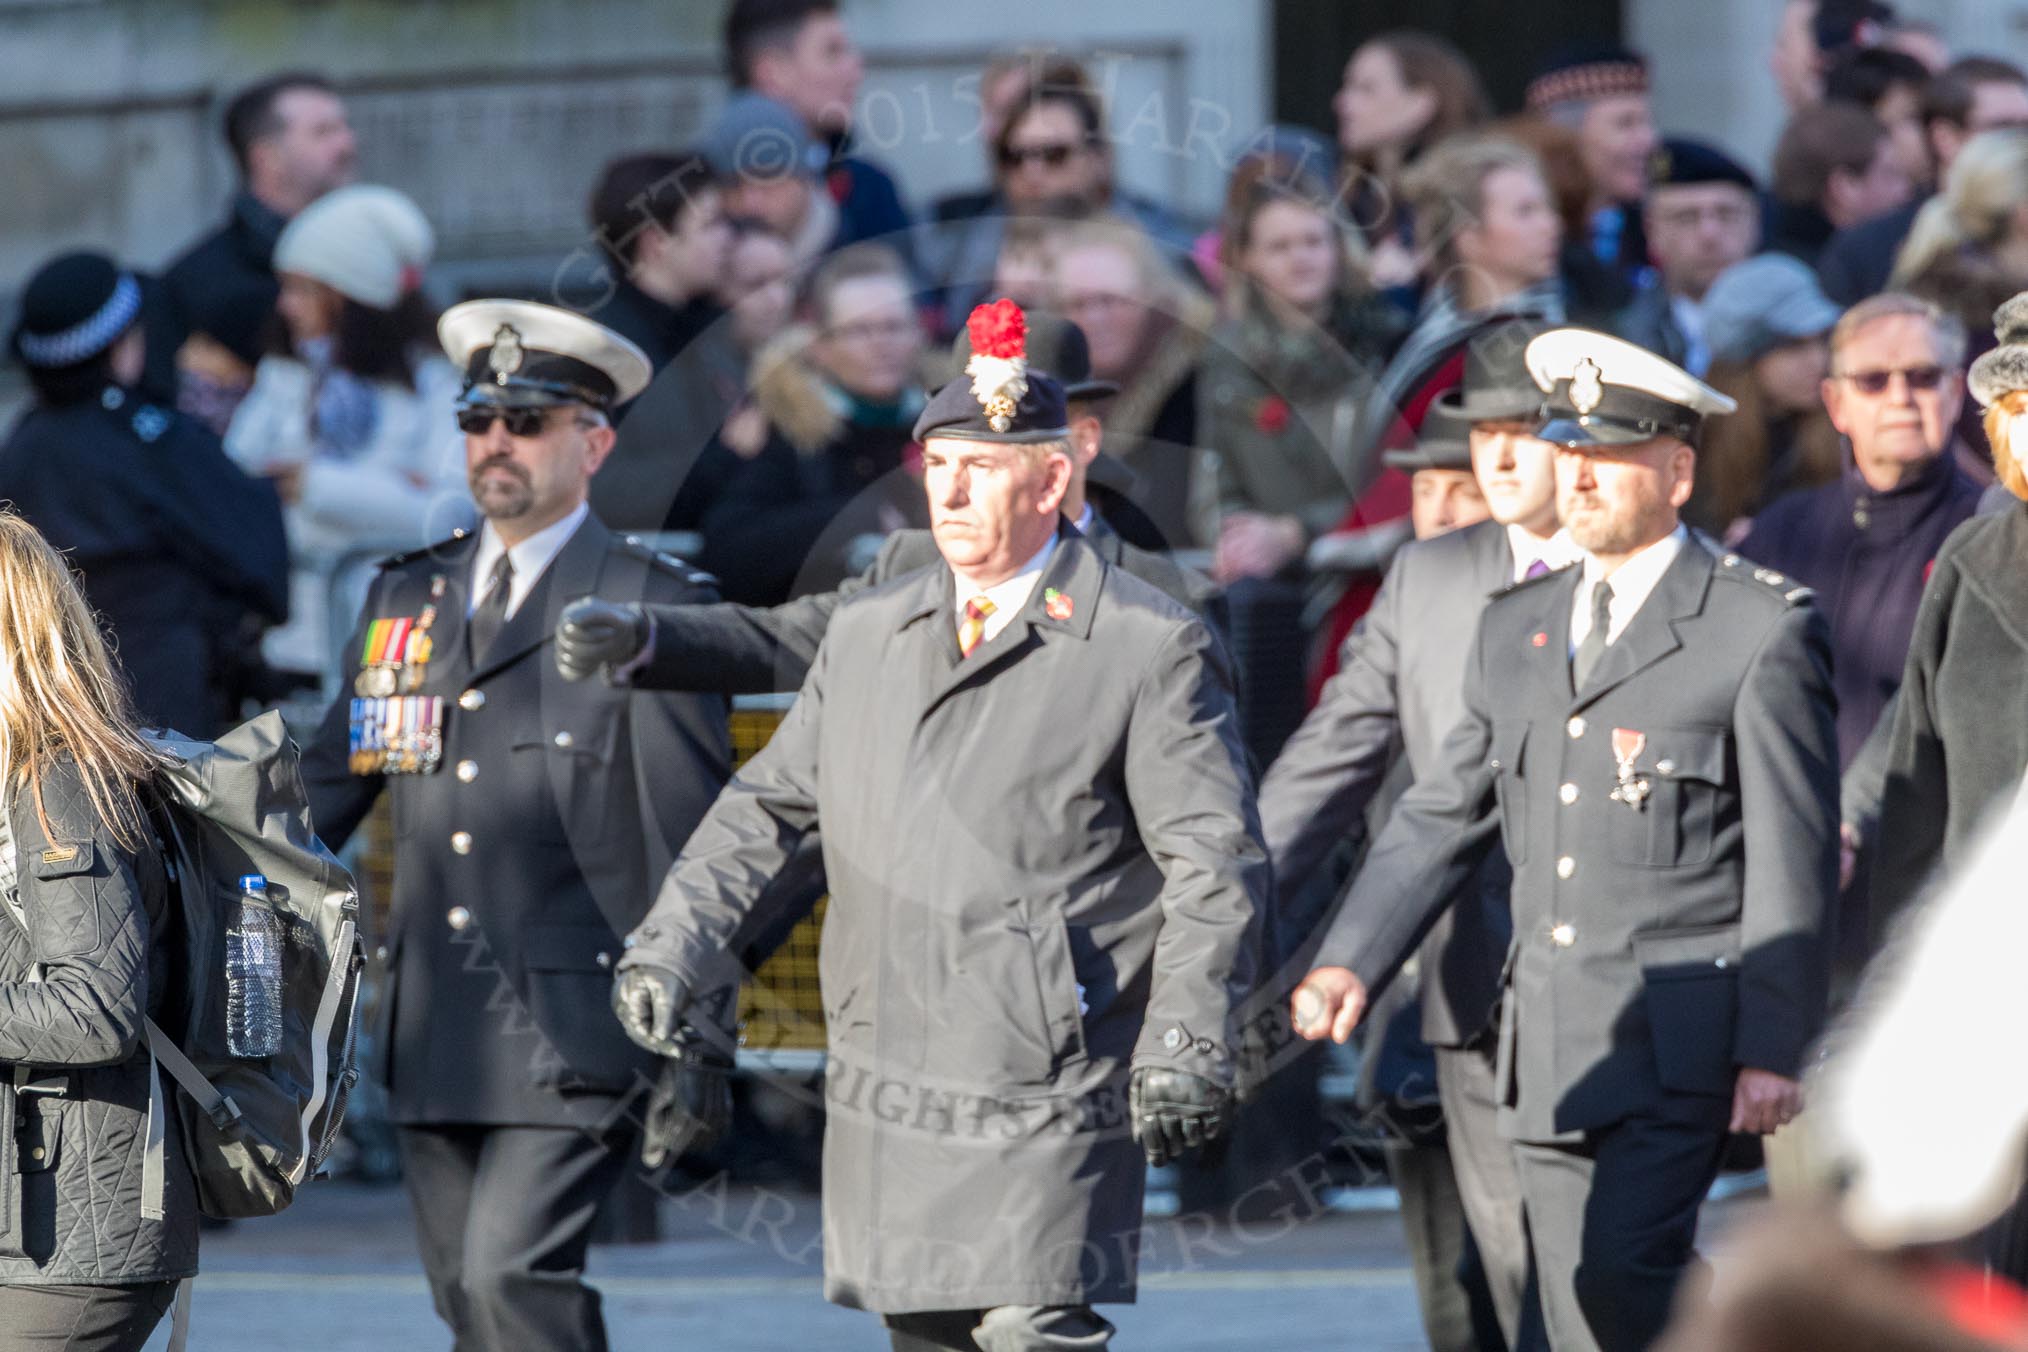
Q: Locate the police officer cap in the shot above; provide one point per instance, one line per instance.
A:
(74, 307)
(519, 354)
(1605, 391)
(1445, 442)
(999, 398)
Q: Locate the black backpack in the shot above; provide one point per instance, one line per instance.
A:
(254, 1129)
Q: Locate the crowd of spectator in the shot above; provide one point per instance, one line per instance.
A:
(1265, 361)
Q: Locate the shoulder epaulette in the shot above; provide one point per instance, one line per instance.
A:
(396, 560)
(1749, 573)
(666, 562)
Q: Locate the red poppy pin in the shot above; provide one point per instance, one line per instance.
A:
(1055, 604)
(1271, 415)
(1540, 640)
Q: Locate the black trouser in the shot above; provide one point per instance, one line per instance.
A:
(504, 1217)
(83, 1318)
(1613, 1222)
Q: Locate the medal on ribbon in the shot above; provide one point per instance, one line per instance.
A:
(1633, 787)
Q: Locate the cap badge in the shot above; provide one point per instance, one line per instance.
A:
(1587, 387)
(999, 363)
(507, 354)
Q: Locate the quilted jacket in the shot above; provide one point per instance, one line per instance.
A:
(81, 1201)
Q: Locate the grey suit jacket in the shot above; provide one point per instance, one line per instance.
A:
(741, 650)
(1662, 945)
(1400, 683)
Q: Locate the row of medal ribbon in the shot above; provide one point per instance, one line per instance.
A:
(395, 657)
(397, 735)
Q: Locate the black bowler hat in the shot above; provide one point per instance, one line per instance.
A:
(1445, 442)
(75, 307)
(519, 354)
(1497, 386)
(1055, 345)
(999, 398)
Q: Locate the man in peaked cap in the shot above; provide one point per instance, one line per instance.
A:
(1035, 816)
(1400, 682)
(183, 555)
(1650, 734)
(532, 820)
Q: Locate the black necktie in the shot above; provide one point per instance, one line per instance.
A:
(1594, 645)
(492, 609)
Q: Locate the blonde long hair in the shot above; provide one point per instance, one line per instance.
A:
(1986, 185)
(59, 694)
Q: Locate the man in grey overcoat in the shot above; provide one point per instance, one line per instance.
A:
(1045, 868)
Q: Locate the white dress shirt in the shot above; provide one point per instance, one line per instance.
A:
(1558, 551)
(530, 557)
(1631, 583)
(1007, 597)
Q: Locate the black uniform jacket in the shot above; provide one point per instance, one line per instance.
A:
(1665, 937)
(175, 542)
(535, 845)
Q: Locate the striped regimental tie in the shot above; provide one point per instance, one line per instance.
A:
(974, 627)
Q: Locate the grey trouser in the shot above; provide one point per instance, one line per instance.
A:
(1489, 1186)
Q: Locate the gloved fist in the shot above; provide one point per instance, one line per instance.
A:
(594, 634)
(1172, 1112)
(650, 1001)
(691, 1105)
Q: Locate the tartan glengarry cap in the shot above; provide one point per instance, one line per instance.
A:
(1581, 72)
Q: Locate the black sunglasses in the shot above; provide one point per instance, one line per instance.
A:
(1876, 382)
(1056, 154)
(521, 422)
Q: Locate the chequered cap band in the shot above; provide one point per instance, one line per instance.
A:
(1600, 80)
(89, 336)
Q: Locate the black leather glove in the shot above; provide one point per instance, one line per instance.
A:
(1172, 1112)
(650, 1003)
(691, 1105)
(593, 634)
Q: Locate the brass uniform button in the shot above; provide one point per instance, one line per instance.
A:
(461, 842)
(1568, 793)
(468, 770)
(1565, 867)
(473, 700)
(1575, 727)
(457, 917)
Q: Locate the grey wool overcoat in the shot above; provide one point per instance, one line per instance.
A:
(1045, 869)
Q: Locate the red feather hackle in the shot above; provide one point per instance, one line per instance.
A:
(998, 330)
